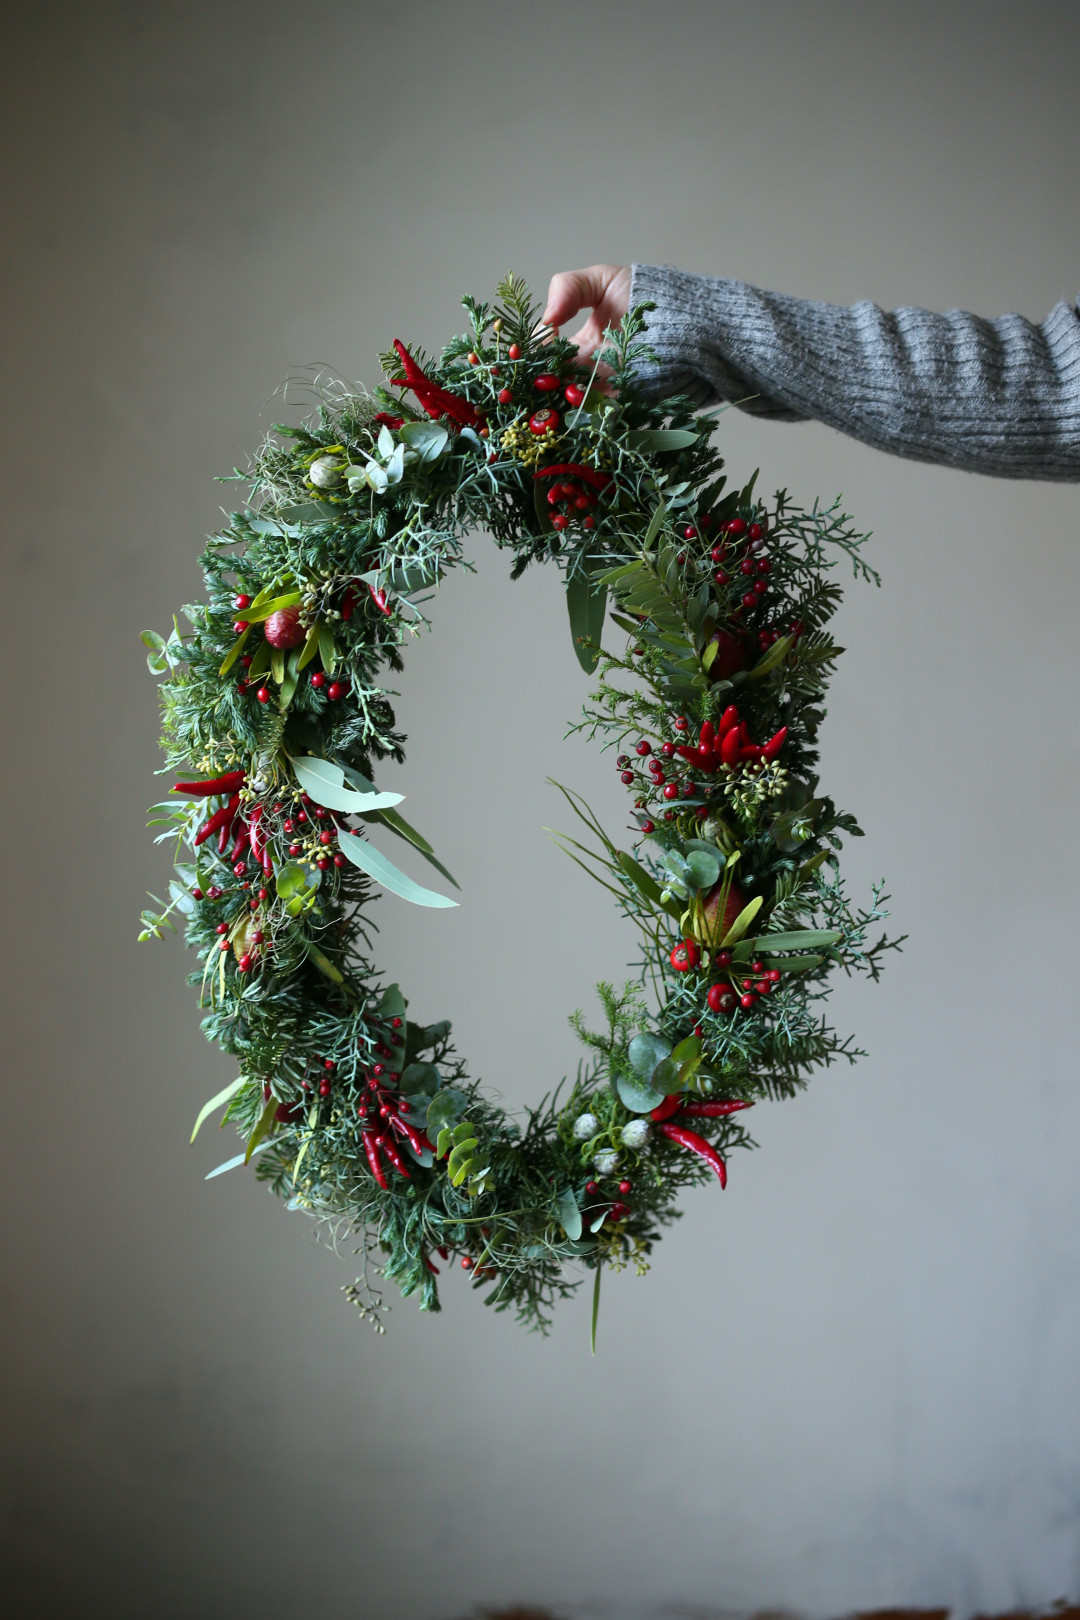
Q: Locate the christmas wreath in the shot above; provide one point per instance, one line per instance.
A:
(275, 723)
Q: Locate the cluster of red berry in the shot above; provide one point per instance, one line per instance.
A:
(726, 995)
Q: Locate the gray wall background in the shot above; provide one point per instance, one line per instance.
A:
(849, 1382)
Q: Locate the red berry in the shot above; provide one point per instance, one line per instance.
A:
(244, 963)
(723, 959)
(746, 566)
(756, 532)
(749, 600)
(263, 694)
(318, 680)
(496, 371)
(559, 520)
(474, 358)
(627, 777)
(717, 553)
(622, 762)
(294, 849)
(283, 628)
(761, 586)
(322, 865)
(698, 1030)
(505, 396)
(326, 836)
(763, 565)
(223, 944)
(625, 1187)
(377, 1069)
(324, 1088)
(334, 691)
(214, 893)
(589, 522)
(721, 577)
(592, 1188)
(757, 967)
(581, 503)
(669, 815)
(671, 790)
(643, 748)
(514, 351)
(222, 928)
(541, 421)
(240, 626)
(286, 826)
(668, 750)
(681, 723)
(648, 826)
(735, 527)
(257, 937)
(242, 601)
(573, 394)
(747, 1001)
(340, 859)
(196, 894)
(547, 383)
(773, 974)
(396, 1023)
(721, 998)
(681, 558)
(467, 1263)
(302, 817)
(689, 533)
(264, 894)
(685, 956)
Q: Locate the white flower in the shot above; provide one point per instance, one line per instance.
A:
(586, 1125)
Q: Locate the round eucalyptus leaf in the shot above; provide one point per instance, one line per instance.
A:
(645, 1052)
(638, 1094)
(702, 869)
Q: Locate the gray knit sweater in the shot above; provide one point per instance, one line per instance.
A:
(999, 397)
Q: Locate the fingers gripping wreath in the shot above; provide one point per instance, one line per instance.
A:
(275, 725)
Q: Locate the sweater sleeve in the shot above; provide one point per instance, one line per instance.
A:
(999, 397)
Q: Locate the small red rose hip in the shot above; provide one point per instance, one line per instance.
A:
(559, 520)
(334, 691)
(681, 723)
(685, 956)
(467, 1263)
(339, 859)
(626, 777)
(541, 421)
(573, 394)
(721, 998)
(625, 1187)
(196, 894)
(318, 680)
(263, 694)
(592, 1188)
(671, 790)
(505, 396)
(689, 533)
(648, 827)
(242, 601)
(244, 963)
(747, 1001)
(643, 748)
(283, 628)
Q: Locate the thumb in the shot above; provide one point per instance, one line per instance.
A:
(573, 290)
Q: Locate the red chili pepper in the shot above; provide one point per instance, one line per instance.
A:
(693, 1143)
(389, 1148)
(442, 1251)
(380, 601)
(385, 419)
(752, 751)
(700, 1109)
(573, 469)
(668, 1107)
(371, 1148)
(267, 860)
(433, 1269)
(257, 845)
(348, 602)
(729, 718)
(731, 747)
(416, 1138)
(435, 400)
(774, 744)
(220, 818)
(224, 834)
(219, 784)
(242, 839)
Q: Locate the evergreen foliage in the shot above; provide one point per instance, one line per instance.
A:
(349, 1108)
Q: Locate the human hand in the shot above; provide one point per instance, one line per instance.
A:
(602, 288)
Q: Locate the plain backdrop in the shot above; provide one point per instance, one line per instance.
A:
(850, 1381)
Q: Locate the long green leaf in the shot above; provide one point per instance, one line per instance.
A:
(325, 782)
(595, 1308)
(586, 601)
(223, 1096)
(803, 939)
(742, 921)
(324, 965)
(376, 865)
(257, 612)
(234, 651)
(266, 1121)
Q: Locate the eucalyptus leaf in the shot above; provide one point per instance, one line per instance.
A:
(446, 1106)
(646, 1051)
(568, 1214)
(661, 438)
(420, 1077)
(325, 782)
(376, 865)
(391, 1004)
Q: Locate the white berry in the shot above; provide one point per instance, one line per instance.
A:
(324, 473)
(636, 1133)
(605, 1161)
(586, 1125)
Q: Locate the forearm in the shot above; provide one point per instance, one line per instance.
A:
(999, 397)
